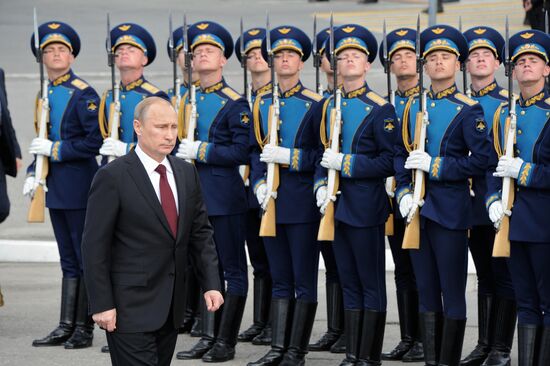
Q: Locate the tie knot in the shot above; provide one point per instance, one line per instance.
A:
(161, 169)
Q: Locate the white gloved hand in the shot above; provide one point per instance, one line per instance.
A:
(321, 195)
(508, 167)
(332, 160)
(389, 187)
(418, 160)
(261, 193)
(275, 154)
(29, 187)
(406, 204)
(496, 212)
(113, 147)
(40, 146)
(188, 149)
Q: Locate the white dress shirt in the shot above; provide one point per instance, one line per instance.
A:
(150, 165)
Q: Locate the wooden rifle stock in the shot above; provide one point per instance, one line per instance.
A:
(268, 226)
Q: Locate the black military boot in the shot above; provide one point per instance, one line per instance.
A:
(451, 343)
(210, 324)
(302, 325)
(503, 332)
(84, 325)
(281, 316)
(372, 337)
(528, 344)
(262, 300)
(353, 320)
(196, 328)
(407, 308)
(69, 293)
(544, 348)
(481, 351)
(224, 347)
(431, 327)
(192, 297)
(335, 318)
(264, 338)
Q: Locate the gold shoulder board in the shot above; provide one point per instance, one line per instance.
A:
(376, 98)
(463, 98)
(312, 95)
(79, 84)
(232, 94)
(150, 88)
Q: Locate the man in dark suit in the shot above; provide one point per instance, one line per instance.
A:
(145, 216)
(10, 153)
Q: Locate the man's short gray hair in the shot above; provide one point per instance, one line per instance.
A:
(140, 113)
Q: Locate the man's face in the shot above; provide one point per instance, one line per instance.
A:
(158, 132)
(255, 62)
(403, 63)
(352, 63)
(207, 57)
(441, 65)
(57, 57)
(482, 63)
(530, 68)
(325, 65)
(287, 63)
(129, 57)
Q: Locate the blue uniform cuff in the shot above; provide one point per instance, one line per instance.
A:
(401, 192)
(55, 152)
(436, 166)
(319, 183)
(258, 183)
(202, 153)
(295, 160)
(347, 165)
(524, 176)
(492, 198)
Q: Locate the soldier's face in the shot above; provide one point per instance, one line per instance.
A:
(208, 57)
(403, 63)
(255, 62)
(441, 65)
(325, 65)
(128, 57)
(352, 63)
(482, 63)
(287, 63)
(57, 57)
(530, 69)
(158, 131)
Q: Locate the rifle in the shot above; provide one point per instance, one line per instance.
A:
(411, 238)
(326, 226)
(244, 170)
(190, 110)
(316, 58)
(465, 87)
(390, 181)
(38, 200)
(176, 99)
(114, 108)
(501, 247)
(268, 225)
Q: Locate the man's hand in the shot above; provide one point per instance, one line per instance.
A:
(275, 154)
(261, 193)
(332, 160)
(106, 320)
(113, 147)
(418, 160)
(406, 204)
(188, 149)
(496, 212)
(18, 164)
(213, 299)
(508, 167)
(29, 187)
(40, 146)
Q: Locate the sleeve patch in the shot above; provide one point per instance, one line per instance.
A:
(312, 95)
(232, 94)
(389, 125)
(150, 88)
(245, 118)
(376, 98)
(79, 84)
(481, 126)
(91, 105)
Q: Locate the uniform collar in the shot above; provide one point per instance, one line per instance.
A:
(442, 94)
(213, 88)
(266, 88)
(62, 79)
(197, 84)
(355, 93)
(409, 92)
(292, 90)
(533, 100)
(484, 91)
(133, 85)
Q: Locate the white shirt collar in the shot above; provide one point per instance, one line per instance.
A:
(149, 163)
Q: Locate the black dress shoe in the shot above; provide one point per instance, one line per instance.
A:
(272, 358)
(198, 350)
(56, 338)
(324, 343)
(249, 334)
(220, 352)
(398, 352)
(105, 349)
(415, 353)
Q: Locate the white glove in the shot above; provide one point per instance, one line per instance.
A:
(418, 160)
(40, 146)
(406, 204)
(321, 195)
(113, 147)
(332, 160)
(508, 167)
(275, 154)
(29, 187)
(389, 187)
(261, 193)
(496, 212)
(188, 149)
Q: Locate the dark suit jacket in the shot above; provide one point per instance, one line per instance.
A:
(132, 262)
(9, 148)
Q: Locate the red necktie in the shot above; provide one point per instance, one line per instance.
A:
(167, 200)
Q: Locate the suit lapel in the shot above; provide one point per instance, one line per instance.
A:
(179, 176)
(143, 182)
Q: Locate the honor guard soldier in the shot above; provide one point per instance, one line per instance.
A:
(333, 339)
(72, 142)
(402, 63)
(363, 160)
(496, 301)
(527, 164)
(293, 252)
(134, 49)
(259, 333)
(218, 146)
(455, 149)
(177, 39)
